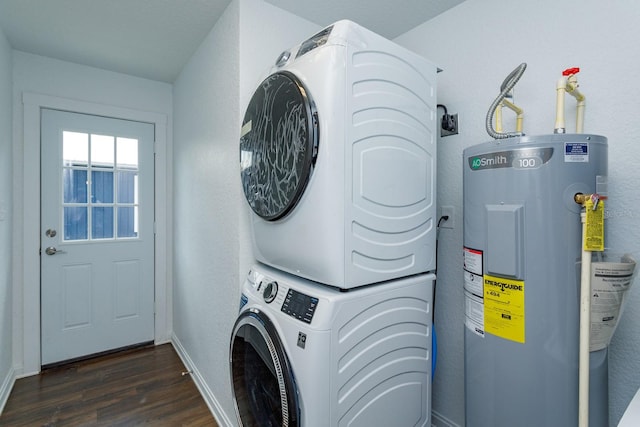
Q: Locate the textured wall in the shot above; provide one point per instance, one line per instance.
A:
(477, 44)
(212, 244)
(6, 347)
(206, 203)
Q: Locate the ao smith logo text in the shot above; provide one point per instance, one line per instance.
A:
(488, 162)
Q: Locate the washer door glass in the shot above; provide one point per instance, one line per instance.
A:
(278, 145)
(264, 389)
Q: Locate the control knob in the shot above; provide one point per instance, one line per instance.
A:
(270, 292)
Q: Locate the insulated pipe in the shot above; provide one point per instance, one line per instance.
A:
(568, 83)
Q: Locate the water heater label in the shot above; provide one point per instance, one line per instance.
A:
(473, 261)
(576, 152)
(504, 308)
(473, 291)
(474, 313)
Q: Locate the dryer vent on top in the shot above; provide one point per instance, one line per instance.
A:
(338, 160)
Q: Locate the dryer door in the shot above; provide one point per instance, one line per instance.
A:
(278, 145)
(264, 388)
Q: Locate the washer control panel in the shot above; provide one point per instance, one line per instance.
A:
(299, 306)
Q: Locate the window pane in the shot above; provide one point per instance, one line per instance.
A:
(75, 148)
(128, 222)
(75, 223)
(102, 150)
(127, 153)
(102, 223)
(74, 182)
(127, 187)
(101, 187)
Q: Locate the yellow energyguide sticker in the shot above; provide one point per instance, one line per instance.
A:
(504, 308)
(594, 230)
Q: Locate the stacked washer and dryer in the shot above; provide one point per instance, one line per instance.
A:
(338, 162)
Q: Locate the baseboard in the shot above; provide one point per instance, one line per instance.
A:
(214, 406)
(439, 420)
(7, 386)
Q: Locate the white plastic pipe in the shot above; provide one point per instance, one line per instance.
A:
(519, 113)
(572, 89)
(585, 329)
(569, 84)
(560, 91)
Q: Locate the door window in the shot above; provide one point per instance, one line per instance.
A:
(100, 186)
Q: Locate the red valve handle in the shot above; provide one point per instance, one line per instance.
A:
(571, 71)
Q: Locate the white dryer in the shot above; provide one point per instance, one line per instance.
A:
(308, 355)
(338, 160)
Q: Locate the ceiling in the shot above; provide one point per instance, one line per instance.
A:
(154, 38)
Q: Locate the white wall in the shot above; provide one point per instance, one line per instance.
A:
(477, 44)
(78, 85)
(6, 346)
(212, 240)
(206, 207)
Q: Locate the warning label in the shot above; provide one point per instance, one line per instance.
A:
(472, 260)
(594, 238)
(474, 313)
(504, 308)
(473, 293)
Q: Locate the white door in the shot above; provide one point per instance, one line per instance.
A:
(97, 234)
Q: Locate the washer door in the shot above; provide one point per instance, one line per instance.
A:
(264, 388)
(278, 145)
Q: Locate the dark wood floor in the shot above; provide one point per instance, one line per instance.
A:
(138, 387)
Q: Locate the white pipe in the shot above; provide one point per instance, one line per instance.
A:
(585, 329)
(560, 91)
(519, 113)
(572, 89)
(568, 83)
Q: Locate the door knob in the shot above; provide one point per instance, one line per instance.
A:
(52, 251)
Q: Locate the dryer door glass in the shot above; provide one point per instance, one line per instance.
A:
(278, 145)
(264, 389)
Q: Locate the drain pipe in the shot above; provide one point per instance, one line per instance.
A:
(585, 329)
(505, 88)
(568, 83)
(587, 201)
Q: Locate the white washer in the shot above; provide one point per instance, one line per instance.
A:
(315, 356)
(338, 160)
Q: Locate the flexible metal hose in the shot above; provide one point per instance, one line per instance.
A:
(505, 88)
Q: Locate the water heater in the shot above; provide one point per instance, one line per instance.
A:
(522, 251)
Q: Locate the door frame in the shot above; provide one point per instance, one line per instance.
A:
(32, 105)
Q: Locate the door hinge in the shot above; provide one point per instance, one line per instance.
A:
(154, 228)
